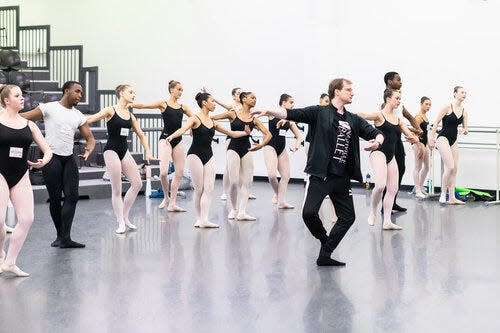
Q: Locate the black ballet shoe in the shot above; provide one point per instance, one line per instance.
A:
(70, 244)
(398, 208)
(56, 242)
(327, 261)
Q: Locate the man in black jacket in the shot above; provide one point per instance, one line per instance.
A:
(332, 161)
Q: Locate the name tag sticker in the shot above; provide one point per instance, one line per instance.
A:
(124, 131)
(282, 132)
(16, 152)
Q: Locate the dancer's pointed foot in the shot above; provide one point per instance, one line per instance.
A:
(327, 261)
(442, 199)
(388, 225)
(175, 208)
(207, 224)
(56, 242)
(130, 225)
(245, 217)
(371, 219)
(70, 244)
(8, 229)
(232, 214)
(14, 270)
(197, 224)
(163, 203)
(285, 205)
(252, 196)
(223, 197)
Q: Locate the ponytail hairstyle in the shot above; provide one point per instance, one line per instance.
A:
(201, 97)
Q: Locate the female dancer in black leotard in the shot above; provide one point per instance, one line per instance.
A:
(452, 116)
(16, 135)
(8, 229)
(420, 124)
(172, 113)
(199, 158)
(383, 163)
(119, 121)
(240, 163)
(276, 156)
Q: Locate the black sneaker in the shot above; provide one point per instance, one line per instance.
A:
(398, 208)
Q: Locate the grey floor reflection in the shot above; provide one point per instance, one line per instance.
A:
(441, 272)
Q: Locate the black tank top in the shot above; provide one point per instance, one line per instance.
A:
(14, 148)
(423, 138)
(172, 119)
(118, 130)
(391, 133)
(202, 139)
(275, 132)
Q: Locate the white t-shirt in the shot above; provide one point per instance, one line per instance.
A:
(60, 126)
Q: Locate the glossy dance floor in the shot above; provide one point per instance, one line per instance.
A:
(440, 273)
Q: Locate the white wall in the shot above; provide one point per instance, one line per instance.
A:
(297, 46)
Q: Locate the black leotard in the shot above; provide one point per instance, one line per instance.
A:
(240, 145)
(202, 142)
(450, 125)
(423, 138)
(14, 147)
(391, 133)
(172, 121)
(118, 130)
(278, 142)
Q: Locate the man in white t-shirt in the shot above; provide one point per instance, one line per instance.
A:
(61, 175)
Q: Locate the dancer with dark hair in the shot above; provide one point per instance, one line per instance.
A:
(16, 136)
(62, 120)
(276, 155)
(240, 162)
(236, 105)
(200, 156)
(392, 80)
(382, 160)
(172, 113)
(452, 115)
(119, 122)
(333, 161)
(420, 123)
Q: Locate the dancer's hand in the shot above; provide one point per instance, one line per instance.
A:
(85, 155)
(254, 147)
(463, 131)
(372, 145)
(205, 90)
(38, 164)
(168, 138)
(247, 130)
(149, 158)
(294, 149)
(281, 123)
(412, 139)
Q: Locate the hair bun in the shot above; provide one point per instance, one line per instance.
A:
(198, 96)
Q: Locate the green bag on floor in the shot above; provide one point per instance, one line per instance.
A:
(466, 194)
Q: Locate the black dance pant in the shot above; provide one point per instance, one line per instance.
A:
(339, 190)
(61, 176)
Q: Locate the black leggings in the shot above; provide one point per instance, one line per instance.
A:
(339, 190)
(61, 176)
